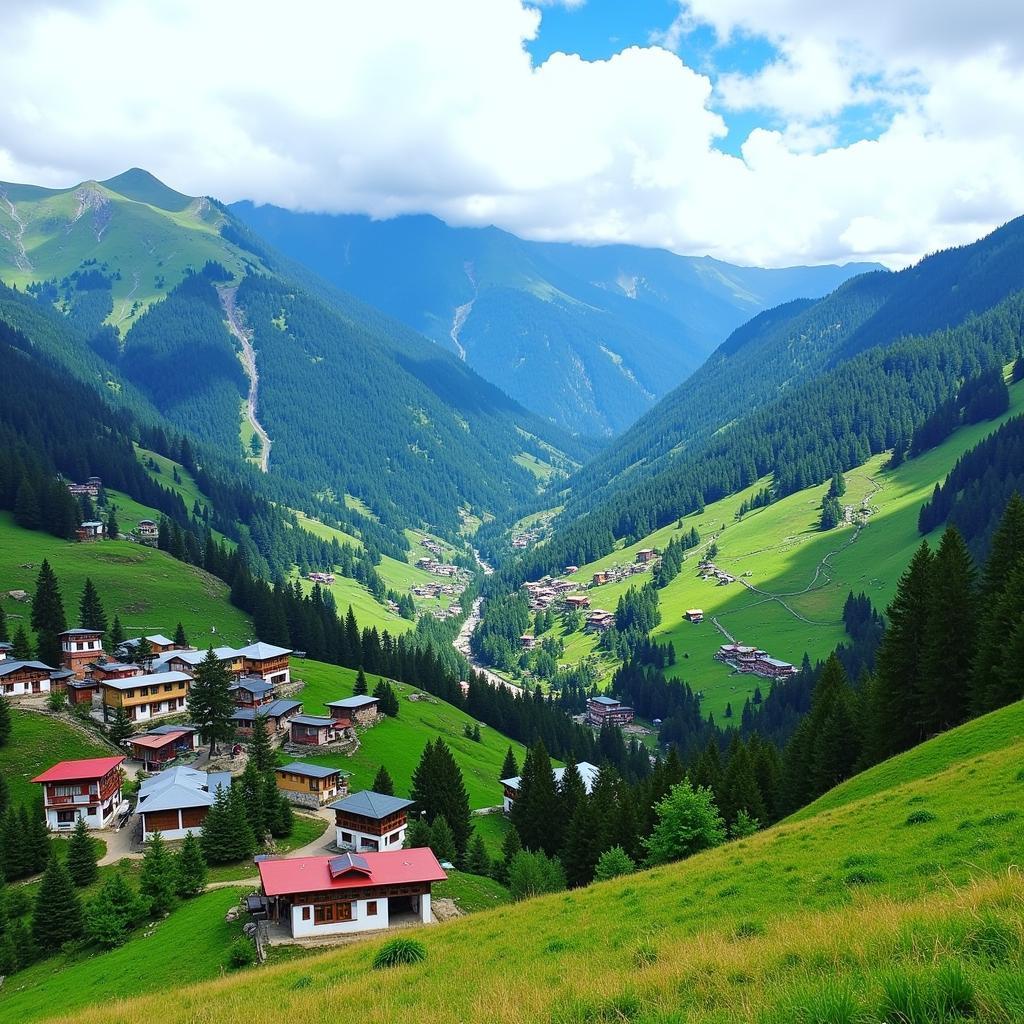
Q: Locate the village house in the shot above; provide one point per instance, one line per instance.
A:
(100, 670)
(603, 710)
(252, 692)
(91, 487)
(92, 529)
(177, 801)
(23, 678)
(278, 715)
(588, 773)
(312, 730)
(311, 785)
(527, 642)
(773, 668)
(326, 578)
(570, 569)
(353, 711)
(577, 602)
(600, 579)
(147, 696)
(266, 661)
(88, 789)
(599, 620)
(315, 896)
(78, 691)
(645, 555)
(694, 615)
(370, 821)
(147, 530)
(79, 647)
(159, 747)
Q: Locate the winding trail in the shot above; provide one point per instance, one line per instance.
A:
(227, 300)
(18, 238)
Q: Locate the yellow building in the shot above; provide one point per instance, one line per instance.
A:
(311, 784)
(146, 697)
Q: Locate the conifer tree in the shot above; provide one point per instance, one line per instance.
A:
(740, 792)
(509, 768)
(57, 912)
(580, 852)
(535, 809)
(5, 798)
(209, 701)
(157, 876)
(113, 528)
(116, 910)
(21, 649)
(383, 783)
(48, 619)
(26, 506)
(17, 860)
(253, 787)
(117, 636)
(180, 637)
(37, 842)
(360, 687)
(244, 838)
(218, 840)
(571, 792)
(190, 868)
(417, 836)
(90, 609)
(510, 846)
(5, 728)
(4, 637)
(477, 860)
(439, 789)
(120, 727)
(442, 841)
(81, 856)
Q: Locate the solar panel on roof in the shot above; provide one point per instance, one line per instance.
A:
(339, 866)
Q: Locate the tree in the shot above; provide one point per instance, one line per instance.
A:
(383, 783)
(90, 609)
(209, 701)
(26, 506)
(113, 528)
(740, 792)
(417, 835)
(254, 799)
(439, 789)
(17, 858)
(477, 860)
(116, 910)
(385, 693)
(220, 843)
(82, 856)
(582, 846)
(57, 913)
(532, 873)
(360, 687)
(117, 636)
(21, 649)
(180, 637)
(442, 841)
(688, 822)
(743, 826)
(48, 619)
(37, 836)
(612, 863)
(5, 728)
(157, 876)
(190, 865)
(509, 768)
(535, 809)
(4, 637)
(120, 727)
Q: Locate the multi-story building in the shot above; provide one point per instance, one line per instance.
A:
(88, 789)
(145, 697)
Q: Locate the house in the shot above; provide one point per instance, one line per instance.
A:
(90, 530)
(311, 784)
(314, 896)
(147, 696)
(353, 711)
(645, 555)
(600, 579)
(5, 650)
(160, 746)
(21, 678)
(370, 821)
(278, 715)
(694, 615)
(90, 487)
(89, 789)
(773, 668)
(147, 530)
(252, 692)
(527, 642)
(577, 601)
(79, 691)
(603, 710)
(312, 730)
(79, 647)
(177, 801)
(588, 773)
(266, 661)
(187, 661)
(570, 569)
(599, 620)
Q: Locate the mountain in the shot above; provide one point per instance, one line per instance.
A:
(586, 336)
(172, 305)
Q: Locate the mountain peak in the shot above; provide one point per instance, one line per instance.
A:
(143, 187)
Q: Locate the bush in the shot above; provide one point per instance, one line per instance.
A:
(397, 952)
(919, 818)
(241, 953)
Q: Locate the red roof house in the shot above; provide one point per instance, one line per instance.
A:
(89, 789)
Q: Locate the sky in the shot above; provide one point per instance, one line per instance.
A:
(766, 132)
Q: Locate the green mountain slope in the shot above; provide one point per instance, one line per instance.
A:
(901, 897)
(587, 336)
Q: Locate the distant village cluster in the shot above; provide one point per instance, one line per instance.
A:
(754, 661)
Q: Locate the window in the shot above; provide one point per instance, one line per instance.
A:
(305, 913)
(63, 817)
(371, 908)
(346, 837)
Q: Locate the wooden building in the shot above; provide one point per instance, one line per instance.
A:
(370, 821)
(645, 555)
(92, 529)
(600, 579)
(577, 601)
(311, 785)
(158, 747)
(353, 711)
(278, 715)
(312, 730)
(603, 710)
(147, 530)
(145, 697)
(24, 678)
(176, 801)
(315, 896)
(88, 789)
(694, 615)
(266, 661)
(252, 692)
(79, 648)
(599, 620)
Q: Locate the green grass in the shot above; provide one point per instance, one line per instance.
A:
(846, 915)
(150, 591)
(398, 743)
(38, 741)
(167, 957)
(472, 892)
(782, 549)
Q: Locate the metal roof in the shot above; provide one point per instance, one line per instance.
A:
(6, 667)
(89, 768)
(313, 720)
(368, 804)
(260, 651)
(152, 679)
(275, 709)
(588, 773)
(292, 875)
(314, 771)
(352, 703)
(605, 700)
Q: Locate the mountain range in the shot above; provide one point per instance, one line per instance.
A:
(588, 337)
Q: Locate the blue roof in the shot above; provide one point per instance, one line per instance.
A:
(314, 771)
(352, 702)
(253, 684)
(313, 720)
(369, 804)
(275, 709)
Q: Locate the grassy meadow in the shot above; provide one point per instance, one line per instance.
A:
(899, 903)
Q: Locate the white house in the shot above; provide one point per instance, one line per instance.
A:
(370, 821)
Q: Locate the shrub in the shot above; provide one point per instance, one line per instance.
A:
(919, 818)
(241, 953)
(399, 951)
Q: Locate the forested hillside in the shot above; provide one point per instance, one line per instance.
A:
(587, 336)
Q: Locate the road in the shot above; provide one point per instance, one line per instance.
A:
(461, 644)
(227, 300)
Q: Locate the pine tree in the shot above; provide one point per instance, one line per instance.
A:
(218, 841)
(209, 701)
(117, 636)
(37, 836)
(740, 792)
(90, 609)
(477, 860)
(120, 727)
(21, 649)
(244, 839)
(383, 783)
(417, 835)
(113, 528)
(253, 787)
(5, 728)
(439, 789)
(17, 859)
(509, 768)
(81, 856)
(26, 507)
(57, 912)
(442, 841)
(571, 792)
(360, 687)
(581, 850)
(180, 637)
(261, 754)
(4, 637)
(116, 910)
(510, 846)
(157, 876)
(48, 618)
(535, 809)
(190, 868)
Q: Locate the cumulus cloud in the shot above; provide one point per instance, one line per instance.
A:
(399, 106)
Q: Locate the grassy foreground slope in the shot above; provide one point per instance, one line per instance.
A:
(793, 578)
(903, 905)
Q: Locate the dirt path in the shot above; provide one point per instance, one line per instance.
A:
(227, 300)
(18, 238)
(461, 644)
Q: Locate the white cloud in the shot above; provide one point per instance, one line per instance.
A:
(399, 106)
